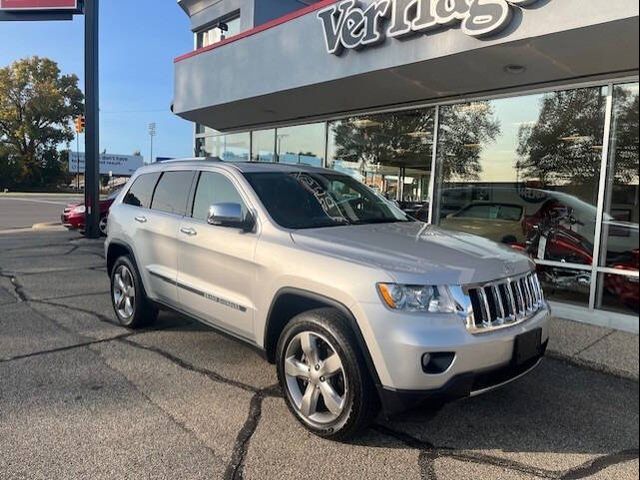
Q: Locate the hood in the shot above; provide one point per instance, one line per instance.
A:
(417, 252)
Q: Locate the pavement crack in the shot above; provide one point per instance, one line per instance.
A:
(429, 453)
(99, 316)
(67, 348)
(596, 465)
(608, 334)
(78, 295)
(216, 377)
(17, 286)
(235, 469)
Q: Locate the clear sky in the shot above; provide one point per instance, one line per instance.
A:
(139, 40)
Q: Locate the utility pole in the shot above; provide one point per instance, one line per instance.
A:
(92, 136)
(152, 133)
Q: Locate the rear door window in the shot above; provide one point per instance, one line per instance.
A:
(214, 188)
(141, 192)
(172, 192)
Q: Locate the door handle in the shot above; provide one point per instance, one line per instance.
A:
(141, 219)
(189, 231)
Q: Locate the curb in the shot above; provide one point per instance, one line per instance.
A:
(595, 366)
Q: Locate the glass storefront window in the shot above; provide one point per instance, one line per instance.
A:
(263, 144)
(619, 248)
(303, 144)
(620, 220)
(566, 285)
(229, 148)
(618, 293)
(390, 152)
(525, 171)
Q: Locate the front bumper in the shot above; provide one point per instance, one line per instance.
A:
(464, 385)
(397, 343)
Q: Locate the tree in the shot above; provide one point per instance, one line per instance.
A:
(405, 139)
(464, 130)
(565, 143)
(37, 106)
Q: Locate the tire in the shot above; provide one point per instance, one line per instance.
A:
(335, 399)
(130, 303)
(102, 226)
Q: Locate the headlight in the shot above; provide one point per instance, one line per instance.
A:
(417, 298)
(80, 209)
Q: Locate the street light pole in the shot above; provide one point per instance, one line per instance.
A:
(92, 134)
(152, 133)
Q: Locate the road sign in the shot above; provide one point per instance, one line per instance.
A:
(116, 165)
(31, 5)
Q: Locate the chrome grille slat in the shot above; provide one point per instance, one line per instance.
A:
(496, 293)
(504, 302)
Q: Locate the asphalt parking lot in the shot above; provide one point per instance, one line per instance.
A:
(22, 210)
(81, 397)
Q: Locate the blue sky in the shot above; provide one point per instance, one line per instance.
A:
(139, 40)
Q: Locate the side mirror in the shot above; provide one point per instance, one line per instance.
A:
(229, 215)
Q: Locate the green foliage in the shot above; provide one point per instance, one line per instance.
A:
(565, 144)
(37, 106)
(405, 139)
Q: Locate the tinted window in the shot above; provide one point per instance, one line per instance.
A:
(313, 200)
(141, 191)
(172, 192)
(214, 188)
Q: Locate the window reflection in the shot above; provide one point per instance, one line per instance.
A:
(303, 144)
(525, 172)
(229, 148)
(620, 221)
(389, 152)
(618, 293)
(263, 145)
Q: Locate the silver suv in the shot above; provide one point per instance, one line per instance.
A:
(358, 305)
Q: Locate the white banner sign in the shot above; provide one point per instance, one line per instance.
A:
(118, 165)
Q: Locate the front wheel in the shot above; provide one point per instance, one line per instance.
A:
(130, 303)
(323, 375)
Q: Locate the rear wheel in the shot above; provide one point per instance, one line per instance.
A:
(130, 303)
(323, 375)
(102, 226)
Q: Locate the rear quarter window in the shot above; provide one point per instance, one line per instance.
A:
(172, 193)
(141, 192)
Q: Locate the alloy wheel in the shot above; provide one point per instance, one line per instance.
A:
(124, 292)
(102, 226)
(315, 378)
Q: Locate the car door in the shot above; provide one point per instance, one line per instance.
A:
(156, 234)
(216, 268)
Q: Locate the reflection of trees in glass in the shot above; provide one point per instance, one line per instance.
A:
(464, 130)
(626, 135)
(398, 139)
(565, 143)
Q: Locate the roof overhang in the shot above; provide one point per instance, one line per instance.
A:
(282, 72)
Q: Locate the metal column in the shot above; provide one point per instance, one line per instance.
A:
(92, 132)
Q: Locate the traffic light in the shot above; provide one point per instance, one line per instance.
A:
(80, 124)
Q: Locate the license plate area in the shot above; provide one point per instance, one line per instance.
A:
(527, 346)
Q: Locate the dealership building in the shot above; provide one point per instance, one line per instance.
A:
(516, 120)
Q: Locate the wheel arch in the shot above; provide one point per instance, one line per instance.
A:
(289, 302)
(115, 250)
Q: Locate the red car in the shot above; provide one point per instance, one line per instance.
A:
(73, 214)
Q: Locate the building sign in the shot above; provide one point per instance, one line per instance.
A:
(118, 165)
(349, 25)
(29, 5)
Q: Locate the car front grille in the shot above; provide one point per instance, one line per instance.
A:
(504, 302)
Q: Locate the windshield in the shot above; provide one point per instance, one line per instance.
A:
(311, 200)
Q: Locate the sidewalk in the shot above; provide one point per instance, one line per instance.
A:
(603, 349)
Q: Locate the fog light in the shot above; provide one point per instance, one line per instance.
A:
(436, 363)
